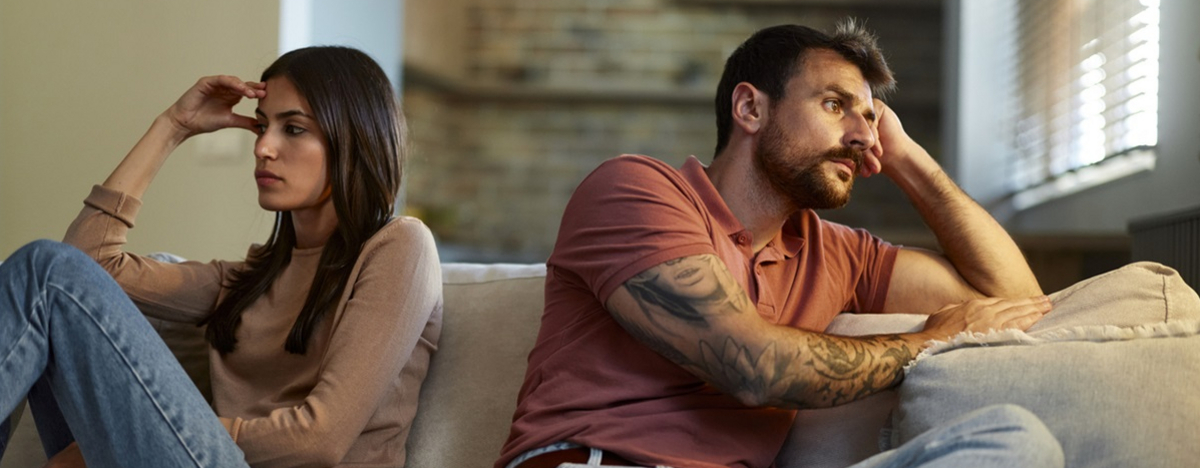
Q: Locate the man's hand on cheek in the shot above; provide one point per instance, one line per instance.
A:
(872, 161)
(893, 147)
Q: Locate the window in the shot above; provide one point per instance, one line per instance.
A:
(1086, 87)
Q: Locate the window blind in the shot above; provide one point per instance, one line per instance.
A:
(1086, 85)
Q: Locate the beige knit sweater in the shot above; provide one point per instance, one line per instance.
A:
(350, 400)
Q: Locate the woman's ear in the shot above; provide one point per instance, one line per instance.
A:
(749, 108)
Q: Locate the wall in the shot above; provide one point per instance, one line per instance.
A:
(80, 83)
(435, 37)
(372, 26)
(546, 91)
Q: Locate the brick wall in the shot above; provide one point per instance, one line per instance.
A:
(551, 89)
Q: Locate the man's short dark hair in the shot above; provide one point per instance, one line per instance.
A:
(770, 58)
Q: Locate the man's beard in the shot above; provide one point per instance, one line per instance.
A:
(801, 177)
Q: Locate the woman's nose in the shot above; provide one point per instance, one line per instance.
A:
(263, 148)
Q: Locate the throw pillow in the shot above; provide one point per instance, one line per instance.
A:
(1114, 397)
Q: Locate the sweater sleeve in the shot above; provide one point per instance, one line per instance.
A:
(394, 295)
(183, 292)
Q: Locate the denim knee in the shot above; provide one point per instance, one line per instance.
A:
(43, 252)
(1031, 441)
(43, 249)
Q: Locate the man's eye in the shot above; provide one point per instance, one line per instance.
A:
(293, 130)
(833, 106)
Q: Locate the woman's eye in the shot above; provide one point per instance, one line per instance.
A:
(260, 128)
(293, 130)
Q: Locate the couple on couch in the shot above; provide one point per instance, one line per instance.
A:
(684, 307)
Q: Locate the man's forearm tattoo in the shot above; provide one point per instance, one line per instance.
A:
(688, 292)
(680, 301)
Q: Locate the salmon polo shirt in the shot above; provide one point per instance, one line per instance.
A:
(591, 383)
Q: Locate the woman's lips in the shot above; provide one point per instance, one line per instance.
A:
(265, 178)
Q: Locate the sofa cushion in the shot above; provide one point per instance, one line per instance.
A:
(1111, 371)
(1114, 397)
(491, 319)
(1142, 293)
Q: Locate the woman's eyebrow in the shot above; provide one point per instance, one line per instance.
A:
(284, 114)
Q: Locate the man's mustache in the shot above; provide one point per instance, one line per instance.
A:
(846, 153)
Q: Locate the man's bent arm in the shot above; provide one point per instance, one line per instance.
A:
(691, 311)
(977, 247)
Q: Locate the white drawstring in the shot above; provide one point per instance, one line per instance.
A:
(596, 457)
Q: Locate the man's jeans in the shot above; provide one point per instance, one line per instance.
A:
(1000, 436)
(73, 342)
(994, 436)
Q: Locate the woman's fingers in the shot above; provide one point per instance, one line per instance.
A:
(208, 105)
(257, 90)
(241, 121)
(243, 88)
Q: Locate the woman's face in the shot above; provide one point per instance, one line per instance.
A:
(291, 167)
(692, 277)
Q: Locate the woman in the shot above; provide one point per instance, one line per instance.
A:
(319, 340)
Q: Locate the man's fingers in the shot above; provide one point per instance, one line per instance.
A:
(1022, 313)
(870, 164)
(1033, 305)
(1023, 323)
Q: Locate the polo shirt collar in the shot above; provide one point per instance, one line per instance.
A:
(788, 242)
(792, 239)
(693, 172)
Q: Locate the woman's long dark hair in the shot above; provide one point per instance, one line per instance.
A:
(357, 109)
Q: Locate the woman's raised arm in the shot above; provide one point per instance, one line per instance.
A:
(184, 292)
(207, 106)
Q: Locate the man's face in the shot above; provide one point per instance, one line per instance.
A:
(814, 138)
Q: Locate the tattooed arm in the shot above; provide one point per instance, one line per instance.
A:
(692, 311)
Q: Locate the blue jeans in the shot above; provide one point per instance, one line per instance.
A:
(994, 436)
(1000, 436)
(95, 371)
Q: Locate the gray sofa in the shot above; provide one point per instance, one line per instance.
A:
(492, 313)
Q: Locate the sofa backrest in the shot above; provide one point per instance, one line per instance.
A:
(491, 314)
(490, 321)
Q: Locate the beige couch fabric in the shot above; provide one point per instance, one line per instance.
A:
(1112, 371)
(492, 314)
(491, 319)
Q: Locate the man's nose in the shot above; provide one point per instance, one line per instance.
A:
(859, 133)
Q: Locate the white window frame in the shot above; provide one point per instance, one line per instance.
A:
(1085, 92)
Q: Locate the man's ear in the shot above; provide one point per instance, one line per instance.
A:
(750, 108)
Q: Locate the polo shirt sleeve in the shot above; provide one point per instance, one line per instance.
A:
(870, 263)
(630, 214)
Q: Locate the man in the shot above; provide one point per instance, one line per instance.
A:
(684, 307)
